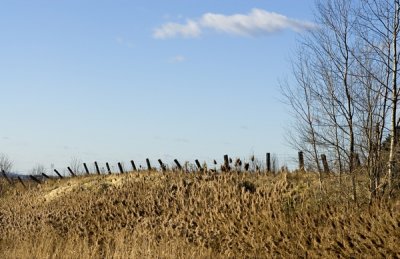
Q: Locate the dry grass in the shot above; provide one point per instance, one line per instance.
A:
(173, 215)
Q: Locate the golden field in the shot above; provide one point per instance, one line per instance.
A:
(180, 215)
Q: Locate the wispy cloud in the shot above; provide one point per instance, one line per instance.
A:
(177, 59)
(123, 42)
(170, 30)
(257, 22)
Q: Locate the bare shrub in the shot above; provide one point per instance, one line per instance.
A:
(5, 163)
(39, 169)
(76, 165)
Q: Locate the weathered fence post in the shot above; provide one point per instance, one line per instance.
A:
(86, 168)
(133, 165)
(301, 160)
(178, 164)
(97, 167)
(198, 165)
(108, 168)
(163, 168)
(5, 176)
(22, 182)
(59, 175)
(70, 171)
(120, 168)
(45, 176)
(226, 167)
(268, 162)
(325, 164)
(35, 179)
(148, 164)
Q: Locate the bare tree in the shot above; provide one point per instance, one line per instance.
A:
(301, 101)
(5, 163)
(39, 169)
(379, 21)
(324, 73)
(344, 98)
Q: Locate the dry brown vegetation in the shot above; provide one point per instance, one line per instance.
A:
(177, 215)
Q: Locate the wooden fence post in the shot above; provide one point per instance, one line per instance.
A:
(70, 171)
(86, 168)
(148, 164)
(163, 168)
(5, 176)
(325, 163)
(121, 170)
(108, 168)
(133, 165)
(59, 175)
(35, 179)
(178, 164)
(97, 167)
(268, 162)
(198, 165)
(226, 167)
(301, 160)
(22, 182)
(45, 176)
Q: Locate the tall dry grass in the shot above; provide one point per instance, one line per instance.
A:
(176, 215)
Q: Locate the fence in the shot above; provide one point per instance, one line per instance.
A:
(228, 165)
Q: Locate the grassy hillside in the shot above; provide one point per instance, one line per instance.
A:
(171, 215)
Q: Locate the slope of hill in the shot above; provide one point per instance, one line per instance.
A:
(176, 215)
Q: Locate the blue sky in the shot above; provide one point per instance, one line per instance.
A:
(120, 80)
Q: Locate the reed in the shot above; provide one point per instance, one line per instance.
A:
(180, 215)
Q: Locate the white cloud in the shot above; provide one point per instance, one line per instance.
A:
(170, 30)
(178, 59)
(257, 22)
